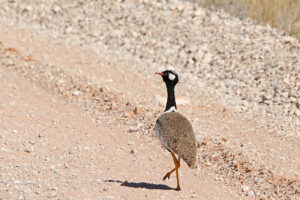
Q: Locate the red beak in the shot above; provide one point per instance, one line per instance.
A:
(159, 73)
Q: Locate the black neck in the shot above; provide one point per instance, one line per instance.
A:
(171, 97)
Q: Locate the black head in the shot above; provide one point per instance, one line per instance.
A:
(169, 76)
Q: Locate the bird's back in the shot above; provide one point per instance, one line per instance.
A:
(176, 134)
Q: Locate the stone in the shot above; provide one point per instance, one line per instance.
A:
(245, 188)
(56, 9)
(131, 143)
(76, 93)
(250, 193)
(199, 55)
(133, 151)
(27, 150)
(133, 129)
(138, 111)
(297, 112)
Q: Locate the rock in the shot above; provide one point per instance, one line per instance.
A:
(52, 195)
(250, 193)
(285, 94)
(133, 129)
(71, 151)
(31, 142)
(297, 112)
(133, 151)
(207, 58)
(28, 8)
(27, 149)
(229, 83)
(76, 93)
(68, 30)
(245, 188)
(131, 143)
(138, 111)
(56, 9)
(99, 181)
(54, 121)
(199, 55)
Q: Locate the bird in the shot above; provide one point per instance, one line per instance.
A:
(174, 131)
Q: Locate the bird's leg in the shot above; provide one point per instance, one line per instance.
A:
(177, 176)
(170, 172)
(177, 165)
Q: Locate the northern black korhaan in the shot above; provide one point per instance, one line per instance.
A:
(174, 130)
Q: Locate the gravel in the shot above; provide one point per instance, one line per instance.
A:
(252, 68)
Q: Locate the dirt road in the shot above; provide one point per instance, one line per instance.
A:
(51, 148)
(77, 123)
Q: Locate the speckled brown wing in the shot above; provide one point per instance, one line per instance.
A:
(177, 135)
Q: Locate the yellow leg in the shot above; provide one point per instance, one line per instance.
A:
(177, 176)
(168, 174)
(177, 165)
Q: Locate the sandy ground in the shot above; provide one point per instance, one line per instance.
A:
(76, 124)
(58, 152)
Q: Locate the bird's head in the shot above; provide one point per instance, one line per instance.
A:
(170, 77)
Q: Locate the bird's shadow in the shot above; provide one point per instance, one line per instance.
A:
(149, 186)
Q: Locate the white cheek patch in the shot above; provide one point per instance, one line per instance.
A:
(172, 77)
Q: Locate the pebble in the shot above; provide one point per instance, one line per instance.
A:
(56, 9)
(27, 150)
(133, 129)
(137, 111)
(297, 112)
(245, 188)
(133, 151)
(76, 93)
(250, 193)
(28, 8)
(131, 143)
(99, 181)
(209, 61)
(51, 195)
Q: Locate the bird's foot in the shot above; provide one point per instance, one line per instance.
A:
(178, 188)
(167, 176)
